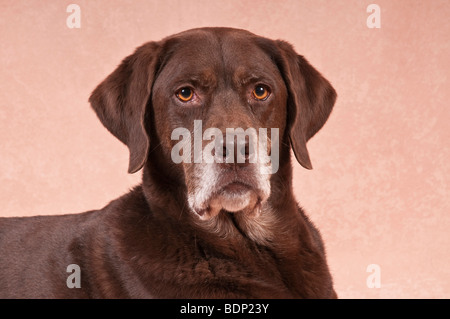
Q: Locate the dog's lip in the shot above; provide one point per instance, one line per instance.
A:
(235, 187)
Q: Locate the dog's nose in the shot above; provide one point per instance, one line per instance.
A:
(237, 149)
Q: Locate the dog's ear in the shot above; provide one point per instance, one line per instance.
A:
(310, 100)
(120, 101)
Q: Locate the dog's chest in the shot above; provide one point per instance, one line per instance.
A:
(253, 274)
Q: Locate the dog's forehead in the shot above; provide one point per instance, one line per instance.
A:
(232, 50)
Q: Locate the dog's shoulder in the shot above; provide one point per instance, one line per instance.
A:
(313, 232)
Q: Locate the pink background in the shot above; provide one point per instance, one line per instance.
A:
(380, 189)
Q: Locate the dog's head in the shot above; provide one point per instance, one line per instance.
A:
(216, 107)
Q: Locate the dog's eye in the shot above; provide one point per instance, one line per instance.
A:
(261, 92)
(185, 94)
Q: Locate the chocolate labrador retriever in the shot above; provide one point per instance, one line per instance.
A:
(217, 225)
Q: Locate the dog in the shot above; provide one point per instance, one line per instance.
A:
(191, 229)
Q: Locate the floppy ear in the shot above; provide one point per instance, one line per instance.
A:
(120, 101)
(311, 99)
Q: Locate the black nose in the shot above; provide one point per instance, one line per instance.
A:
(236, 149)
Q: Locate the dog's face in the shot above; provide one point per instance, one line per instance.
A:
(216, 104)
(219, 85)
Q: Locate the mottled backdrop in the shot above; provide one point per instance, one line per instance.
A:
(380, 188)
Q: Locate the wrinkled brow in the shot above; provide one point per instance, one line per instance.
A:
(205, 78)
(244, 76)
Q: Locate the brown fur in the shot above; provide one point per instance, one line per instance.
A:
(148, 243)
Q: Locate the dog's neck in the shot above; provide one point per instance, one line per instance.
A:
(167, 193)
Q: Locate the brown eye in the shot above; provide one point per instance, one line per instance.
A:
(260, 92)
(185, 94)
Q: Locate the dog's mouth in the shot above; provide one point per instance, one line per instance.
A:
(235, 189)
(234, 197)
